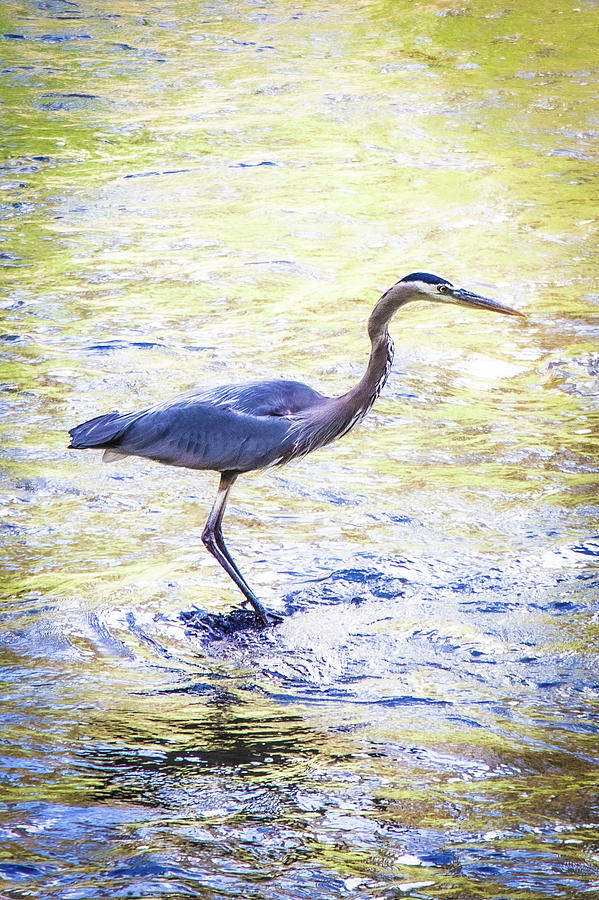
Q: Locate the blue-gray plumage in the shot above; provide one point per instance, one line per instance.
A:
(241, 427)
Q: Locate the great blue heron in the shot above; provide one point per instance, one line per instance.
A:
(240, 427)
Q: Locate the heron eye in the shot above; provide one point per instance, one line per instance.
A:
(442, 288)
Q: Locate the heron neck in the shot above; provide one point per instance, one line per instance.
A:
(361, 397)
(320, 425)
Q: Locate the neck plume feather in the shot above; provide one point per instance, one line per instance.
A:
(360, 398)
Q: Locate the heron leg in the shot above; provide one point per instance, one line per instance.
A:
(213, 540)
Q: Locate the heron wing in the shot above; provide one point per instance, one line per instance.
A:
(198, 435)
(234, 427)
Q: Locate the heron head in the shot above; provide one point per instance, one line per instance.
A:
(424, 286)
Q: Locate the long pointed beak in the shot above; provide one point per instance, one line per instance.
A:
(463, 297)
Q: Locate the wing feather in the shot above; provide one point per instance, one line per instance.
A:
(204, 436)
(261, 398)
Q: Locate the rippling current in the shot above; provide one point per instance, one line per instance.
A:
(201, 193)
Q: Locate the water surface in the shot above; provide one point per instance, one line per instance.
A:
(197, 193)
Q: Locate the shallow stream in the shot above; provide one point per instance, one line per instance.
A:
(208, 192)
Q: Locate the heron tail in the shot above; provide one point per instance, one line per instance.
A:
(99, 432)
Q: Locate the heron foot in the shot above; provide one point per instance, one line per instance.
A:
(273, 619)
(263, 616)
(221, 625)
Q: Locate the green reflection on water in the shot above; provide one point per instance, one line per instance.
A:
(234, 186)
